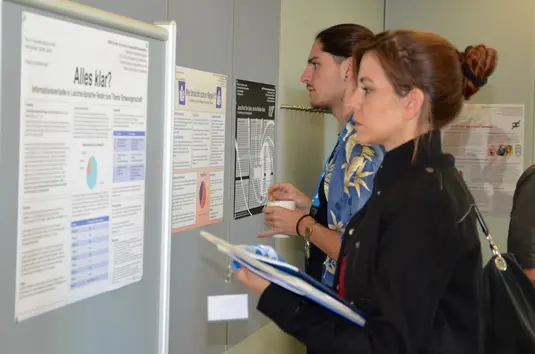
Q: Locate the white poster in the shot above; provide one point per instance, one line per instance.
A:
(488, 144)
(199, 148)
(83, 118)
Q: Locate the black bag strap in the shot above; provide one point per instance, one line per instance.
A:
(499, 261)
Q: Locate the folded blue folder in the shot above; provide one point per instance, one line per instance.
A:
(264, 261)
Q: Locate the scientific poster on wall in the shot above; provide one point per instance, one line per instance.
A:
(254, 146)
(81, 198)
(199, 149)
(488, 144)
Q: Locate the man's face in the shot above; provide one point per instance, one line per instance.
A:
(322, 78)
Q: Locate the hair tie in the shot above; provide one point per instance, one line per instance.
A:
(479, 82)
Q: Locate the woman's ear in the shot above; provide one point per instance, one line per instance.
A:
(414, 104)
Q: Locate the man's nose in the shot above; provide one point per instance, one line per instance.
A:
(305, 76)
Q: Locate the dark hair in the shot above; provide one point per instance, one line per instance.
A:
(477, 64)
(427, 61)
(340, 40)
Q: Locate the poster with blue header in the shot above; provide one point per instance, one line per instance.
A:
(198, 149)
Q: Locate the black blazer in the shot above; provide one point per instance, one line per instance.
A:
(521, 237)
(413, 265)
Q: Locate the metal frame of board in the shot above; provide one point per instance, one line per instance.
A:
(167, 186)
(163, 31)
(96, 16)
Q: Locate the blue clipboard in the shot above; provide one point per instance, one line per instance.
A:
(290, 278)
(296, 272)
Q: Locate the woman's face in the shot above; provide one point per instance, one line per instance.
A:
(378, 112)
(381, 116)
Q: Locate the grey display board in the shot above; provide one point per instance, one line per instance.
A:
(256, 54)
(240, 39)
(121, 321)
(198, 270)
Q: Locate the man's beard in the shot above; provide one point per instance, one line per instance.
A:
(321, 106)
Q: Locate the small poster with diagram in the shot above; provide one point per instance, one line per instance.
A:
(254, 146)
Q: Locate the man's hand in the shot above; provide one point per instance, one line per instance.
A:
(282, 221)
(287, 191)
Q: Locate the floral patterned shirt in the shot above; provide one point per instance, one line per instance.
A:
(348, 183)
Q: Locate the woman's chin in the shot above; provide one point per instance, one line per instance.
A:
(363, 139)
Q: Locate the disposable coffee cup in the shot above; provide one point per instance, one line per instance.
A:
(288, 204)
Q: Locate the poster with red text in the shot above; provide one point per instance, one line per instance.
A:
(198, 149)
(487, 141)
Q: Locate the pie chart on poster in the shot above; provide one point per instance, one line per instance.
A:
(202, 194)
(92, 172)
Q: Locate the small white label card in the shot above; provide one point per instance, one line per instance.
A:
(228, 307)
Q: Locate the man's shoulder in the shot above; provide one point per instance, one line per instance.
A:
(372, 153)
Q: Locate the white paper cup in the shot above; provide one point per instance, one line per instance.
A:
(288, 204)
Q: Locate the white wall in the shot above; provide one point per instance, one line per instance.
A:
(304, 140)
(507, 26)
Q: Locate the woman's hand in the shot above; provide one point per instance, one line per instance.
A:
(251, 281)
(282, 221)
(287, 191)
